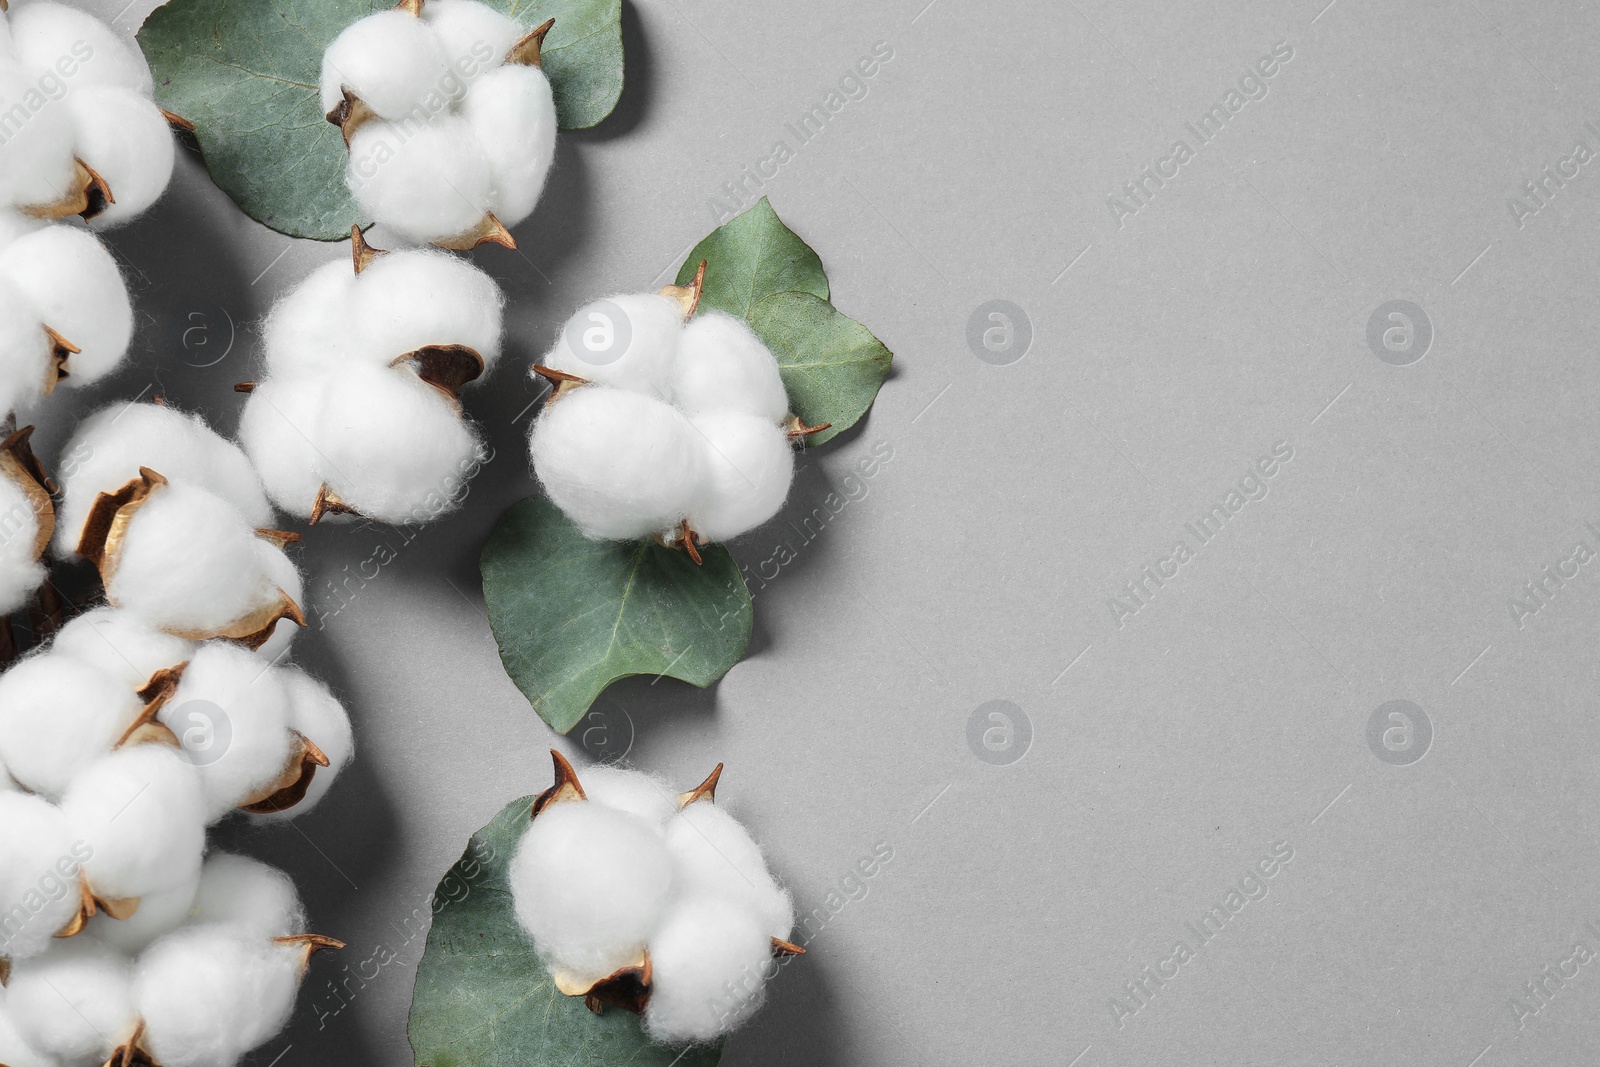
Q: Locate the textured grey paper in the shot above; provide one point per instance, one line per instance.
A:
(1153, 752)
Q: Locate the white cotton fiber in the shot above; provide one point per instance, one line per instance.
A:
(36, 166)
(247, 896)
(27, 352)
(513, 113)
(59, 714)
(38, 874)
(424, 184)
(634, 792)
(75, 1002)
(411, 299)
(160, 913)
(621, 465)
(589, 884)
(311, 330)
(45, 34)
(124, 138)
(142, 813)
(14, 224)
(282, 573)
(20, 570)
(393, 446)
(189, 564)
(391, 60)
(276, 429)
(121, 645)
(475, 37)
(708, 969)
(208, 995)
(749, 464)
(14, 1048)
(713, 856)
(231, 713)
(723, 367)
(315, 713)
(628, 341)
(75, 289)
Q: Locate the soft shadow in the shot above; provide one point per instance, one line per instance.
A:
(800, 1025)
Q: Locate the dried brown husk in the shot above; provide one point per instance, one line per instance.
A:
(22, 467)
(291, 786)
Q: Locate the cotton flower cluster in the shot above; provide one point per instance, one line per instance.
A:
(175, 518)
(212, 977)
(82, 134)
(664, 423)
(657, 903)
(359, 410)
(449, 121)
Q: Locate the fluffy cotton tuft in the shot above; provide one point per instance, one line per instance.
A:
(59, 714)
(459, 134)
(20, 570)
(614, 453)
(75, 1002)
(14, 1048)
(74, 287)
(246, 895)
(141, 812)
(589, 891)
(590, 883)
(159, 914)
(119, 644)
(39, 860)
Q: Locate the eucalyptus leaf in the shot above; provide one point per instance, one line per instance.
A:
(573, 615)
(483, 998)
(832, 366)
(245, 73)
(750, 257)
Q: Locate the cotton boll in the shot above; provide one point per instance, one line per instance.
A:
(308, 331)
(315, 713)
(426, 183)
(628, 341)
(634, 792)
(475, 37)
(281, 572)
(124, 138)
(58, 715)
(246, 895)
(232, 716)
(714, 856)
(75, 1002)
(141, 811)
(120, 645)
(749, 464)
(75, 289)
(36, 166)
(159, 914)
(409, 300)
(20, 570)
(589, 884)
(513, 112)
(393, 446)
(208, 995)
(45, 34)
(277, 429)
(708, 965)
(14, 1049)
(39, 860)
(621, 465)
(724, 368)
(391, 60)
(189, 564)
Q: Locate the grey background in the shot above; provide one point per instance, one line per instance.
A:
(1168, 354)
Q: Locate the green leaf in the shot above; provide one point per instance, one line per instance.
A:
(484, 999)
(573, 615)
(245, 73)
(832, 365)
(751, 257)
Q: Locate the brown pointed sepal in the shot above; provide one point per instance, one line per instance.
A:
(61, 350)
(489, 230)
(280, 538)
(782, 948)
(91, 903)
(410, 7)
(560, 381)
(19, 465)
(445, 367)
(528, 52)
(797, 429)
(132, 1053)
(566, 787)
(688, 296)
(309, 945)
(178, 123)
(88, 196)
(361, 253)
(328, 503)
(253, 630)
(627, 988)
(291, 787)
(706, 790)
(100, 541)
(350, 114)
